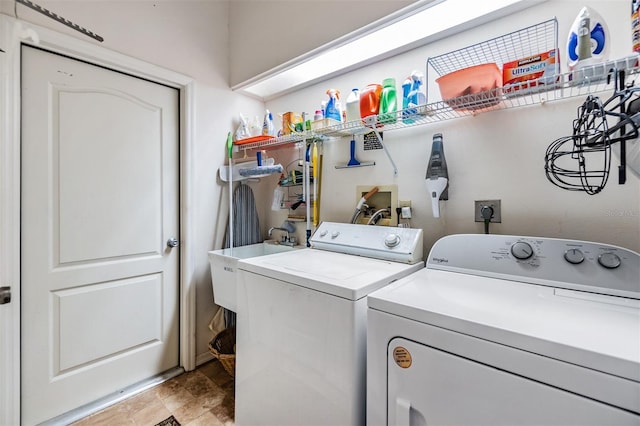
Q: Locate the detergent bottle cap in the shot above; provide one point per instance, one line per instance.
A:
(353, 96)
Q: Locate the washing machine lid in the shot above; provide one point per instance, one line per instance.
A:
(344, 275)
(600, 332)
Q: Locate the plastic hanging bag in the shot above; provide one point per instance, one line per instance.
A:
(242, 132)
(278, 198)
(217, 323)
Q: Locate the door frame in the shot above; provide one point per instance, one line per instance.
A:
(14, 33)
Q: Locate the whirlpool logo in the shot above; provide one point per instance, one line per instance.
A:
(439, 260)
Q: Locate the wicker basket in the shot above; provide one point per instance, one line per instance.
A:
(223, 348)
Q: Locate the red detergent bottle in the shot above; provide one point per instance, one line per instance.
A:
(370, 100)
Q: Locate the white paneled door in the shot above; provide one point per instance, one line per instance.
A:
(100, 201)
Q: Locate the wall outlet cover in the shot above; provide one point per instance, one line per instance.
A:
(494, 204)
(406, 213)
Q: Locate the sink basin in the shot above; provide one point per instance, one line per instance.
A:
(223, 268)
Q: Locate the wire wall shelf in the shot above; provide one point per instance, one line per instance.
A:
(519, 44)
(568, 86)
(276, 142)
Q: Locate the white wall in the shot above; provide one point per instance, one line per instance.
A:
(494, 155)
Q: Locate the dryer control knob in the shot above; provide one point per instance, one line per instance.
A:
(323, 233)
(609, 260)
(335, 234)
(521, 250)
(574, 256)
(392, 240)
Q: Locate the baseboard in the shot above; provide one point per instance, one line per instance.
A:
(203, 358)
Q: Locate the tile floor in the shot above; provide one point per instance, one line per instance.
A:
(204, 396)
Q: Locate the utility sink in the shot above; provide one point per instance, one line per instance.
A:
(224, 264)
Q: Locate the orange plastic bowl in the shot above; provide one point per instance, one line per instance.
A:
(473, 88)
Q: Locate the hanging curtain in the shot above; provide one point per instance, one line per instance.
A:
(246, 229)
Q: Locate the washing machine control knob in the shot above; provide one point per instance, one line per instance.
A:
(574, 256)
(392, 240)
(335, 234)
(521, 250)
(323, 233)
(609, 260)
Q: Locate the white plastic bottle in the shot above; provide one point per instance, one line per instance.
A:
(267, 124)
(353, 105)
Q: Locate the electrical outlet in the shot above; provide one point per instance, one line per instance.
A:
(494, 204)
(405, 207)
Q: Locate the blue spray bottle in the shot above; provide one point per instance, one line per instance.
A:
(406, 89)
(331, 110)
(416, 97)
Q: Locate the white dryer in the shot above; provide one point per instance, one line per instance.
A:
(506, 330)
(301, 324)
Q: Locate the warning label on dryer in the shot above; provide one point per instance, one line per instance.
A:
(402, 357)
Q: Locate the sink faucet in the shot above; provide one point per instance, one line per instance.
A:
(285, 238)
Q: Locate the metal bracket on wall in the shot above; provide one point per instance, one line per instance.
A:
(62, 20)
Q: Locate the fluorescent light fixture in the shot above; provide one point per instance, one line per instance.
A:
(425, 21)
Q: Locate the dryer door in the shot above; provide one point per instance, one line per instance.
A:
(430, 386)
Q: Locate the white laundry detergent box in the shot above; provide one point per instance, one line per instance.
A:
(532, 74)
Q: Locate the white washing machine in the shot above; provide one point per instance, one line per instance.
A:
(506, 330)
(301, 324)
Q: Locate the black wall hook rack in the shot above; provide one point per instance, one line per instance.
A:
(569, 161)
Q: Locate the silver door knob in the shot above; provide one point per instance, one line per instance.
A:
(172, 242)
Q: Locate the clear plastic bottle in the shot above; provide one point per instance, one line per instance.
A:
(388, 101)
(415, 96)
(255, 127)
(267, 124)
(353, 105)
